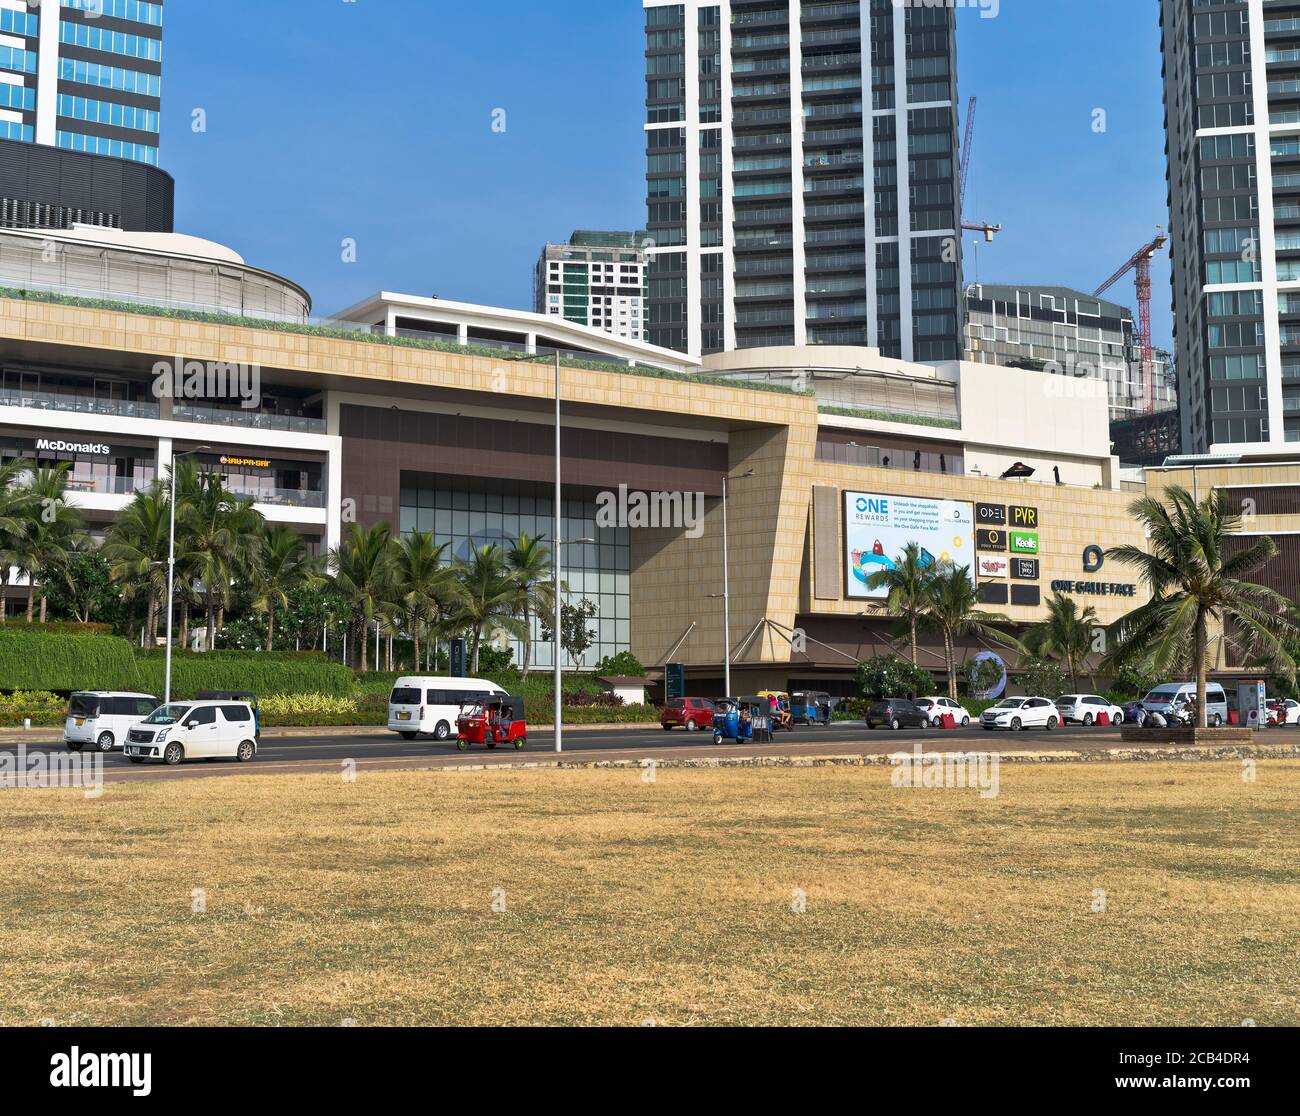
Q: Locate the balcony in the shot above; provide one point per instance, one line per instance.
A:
(278, 497)
(77, 404)
(253, 420)
(107, 486)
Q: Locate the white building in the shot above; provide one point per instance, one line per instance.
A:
(596, 279)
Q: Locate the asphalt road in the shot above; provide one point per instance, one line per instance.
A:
(377, 749)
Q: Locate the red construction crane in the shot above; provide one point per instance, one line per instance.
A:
(967, 147)
(1140, 262)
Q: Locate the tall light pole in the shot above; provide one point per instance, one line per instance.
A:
(171, 570)
(559, 694)
(726, 584)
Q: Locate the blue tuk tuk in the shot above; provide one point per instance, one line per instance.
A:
(811, 707)
(741, 721)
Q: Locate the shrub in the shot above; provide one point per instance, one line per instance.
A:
(54, 661)
(888, 676)
(1042, 678)
(43, 708)
(622, 665)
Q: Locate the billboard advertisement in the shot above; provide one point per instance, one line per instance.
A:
(878, 527)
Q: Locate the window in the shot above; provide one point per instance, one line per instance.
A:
(204, 715)
(236, 714)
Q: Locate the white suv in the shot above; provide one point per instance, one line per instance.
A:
(195, 730)
(1021, 713)
(939, 707)
(1086, 709)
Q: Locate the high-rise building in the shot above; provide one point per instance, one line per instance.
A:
(1071, 333)
(596, 279)
(802, 168)
(1232, 118)
(82, 78)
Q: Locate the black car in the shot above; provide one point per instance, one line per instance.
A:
(896, 713)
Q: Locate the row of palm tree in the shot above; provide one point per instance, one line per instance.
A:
(227, 554)
(408, 585)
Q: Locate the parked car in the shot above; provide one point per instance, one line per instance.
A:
(1134, 713)
(937, 707)
(103, 719)
(690, 713)
(896, 713)
(194, 730)
(1021, 713)
(1086, 709)
(1171, 701)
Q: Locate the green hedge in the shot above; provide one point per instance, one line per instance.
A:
(53, 661)
(257, 673)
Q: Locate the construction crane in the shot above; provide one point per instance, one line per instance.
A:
(1140, 262)
(967, 146)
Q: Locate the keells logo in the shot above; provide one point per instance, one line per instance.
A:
(1024, 542)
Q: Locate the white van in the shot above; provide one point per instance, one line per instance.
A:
(194, 730)
(430, 706)
(1173, 697)
(102, 719)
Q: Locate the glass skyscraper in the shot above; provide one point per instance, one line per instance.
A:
(1232, 117)
(83, 75)
(801, 176)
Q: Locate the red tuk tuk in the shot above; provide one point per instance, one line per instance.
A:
(495, 722)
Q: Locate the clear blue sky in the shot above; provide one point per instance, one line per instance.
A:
(329, 119)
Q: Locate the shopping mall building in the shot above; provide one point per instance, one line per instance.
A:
(438, 416)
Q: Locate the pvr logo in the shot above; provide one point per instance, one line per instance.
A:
(1025, 517)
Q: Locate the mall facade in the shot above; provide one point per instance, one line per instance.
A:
(438, 416)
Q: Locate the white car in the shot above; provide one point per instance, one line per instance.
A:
(102, 719)
(194, 730)
(1021, 713)
(937, 707)
(1086, 709)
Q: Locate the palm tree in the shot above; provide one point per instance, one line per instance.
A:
(285, 565)
(954, 609)
(530, 568)
(489, 598)
(219, 539)
(1065, 634)
(53, 528)
(425, 586)
(362, 565)
(1197, 578)
(909, 583)
(136, 551)
(15, 499)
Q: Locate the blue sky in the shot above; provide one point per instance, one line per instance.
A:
(372, 120)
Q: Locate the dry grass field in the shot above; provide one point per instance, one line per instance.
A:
(621, 902)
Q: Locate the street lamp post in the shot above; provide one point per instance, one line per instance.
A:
(726, 584)
(171, 570)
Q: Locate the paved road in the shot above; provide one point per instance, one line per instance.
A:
(377, 749)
